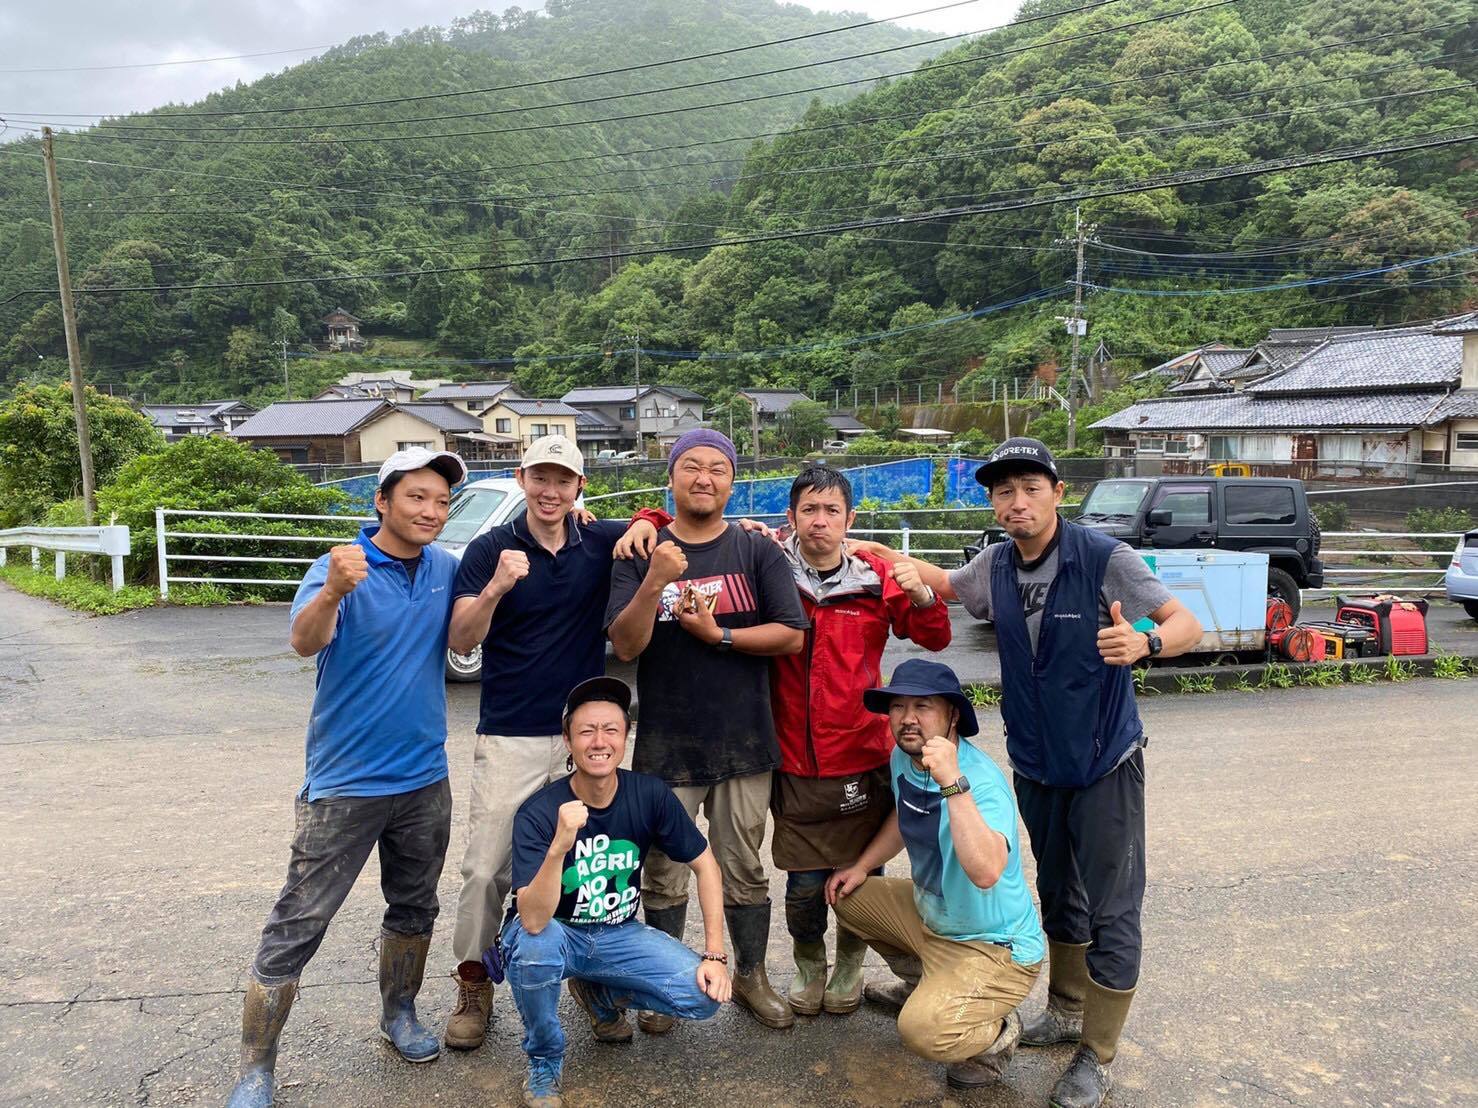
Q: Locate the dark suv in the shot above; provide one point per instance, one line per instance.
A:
(1269, 515)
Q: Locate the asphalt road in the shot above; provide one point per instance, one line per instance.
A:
(1308, 922)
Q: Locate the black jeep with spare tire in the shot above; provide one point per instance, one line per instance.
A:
(1266, 515)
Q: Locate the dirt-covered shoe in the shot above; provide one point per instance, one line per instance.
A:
(893, 993)
(1053, 1025)
(609, 1024)
(467, 1026)
(809, 983)
(1084, 1084)
(987, 1067)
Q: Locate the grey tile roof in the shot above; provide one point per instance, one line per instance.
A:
(843, 422)
(1312, 335)
(539, 407)
(1240, 411)
(1462, 404)
(1221, 362)
(308, 418)
(589, 422)
(467, 390)
(1458, 325)
(775, 401)
(614, 394)
(444, 416)
(1374, 360)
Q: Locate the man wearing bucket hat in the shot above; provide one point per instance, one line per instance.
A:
(375, 613)
(704, 614)
(1064, 599)
(963, 929)
(579, 849)
(533, 593)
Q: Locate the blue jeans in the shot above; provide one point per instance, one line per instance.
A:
(629, 964)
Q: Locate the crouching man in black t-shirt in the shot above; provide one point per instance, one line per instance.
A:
(578, 848)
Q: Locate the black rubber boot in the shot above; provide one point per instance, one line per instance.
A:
(262, 1015)
(402, 969)
(749, 926)
(1084, 1084)
(670, 921)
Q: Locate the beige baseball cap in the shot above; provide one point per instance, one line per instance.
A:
(446, 463)
(555, 450)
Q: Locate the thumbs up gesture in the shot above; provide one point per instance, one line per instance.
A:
(1119, 644)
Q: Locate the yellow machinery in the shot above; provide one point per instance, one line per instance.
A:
(1228, 469)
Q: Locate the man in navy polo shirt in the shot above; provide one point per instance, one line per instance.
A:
(375, 613)
(533, 592)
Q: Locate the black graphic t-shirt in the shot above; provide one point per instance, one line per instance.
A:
(601, 879)
(703, 713)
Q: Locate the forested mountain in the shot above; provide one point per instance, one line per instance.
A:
(1095, 101)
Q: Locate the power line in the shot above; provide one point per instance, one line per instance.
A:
(162, 65)
(1306, 283)
(1192, 177)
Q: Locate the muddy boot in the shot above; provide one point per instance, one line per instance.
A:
(402, 967)
(1086, 1082)
(467, 1026)
(749, 927)
(810, 979)
(987, 1067)
(262, 1015)
(607, 1020)
(894, 993)
(672, 921)
(844, 990)
(1062, 1020)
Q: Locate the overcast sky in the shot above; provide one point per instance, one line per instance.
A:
(92, 33)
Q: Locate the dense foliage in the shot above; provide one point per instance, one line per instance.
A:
(991, 121)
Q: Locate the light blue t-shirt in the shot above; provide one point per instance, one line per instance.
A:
(949, 903)
(379, 713)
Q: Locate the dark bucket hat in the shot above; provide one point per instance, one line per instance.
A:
(920, 677)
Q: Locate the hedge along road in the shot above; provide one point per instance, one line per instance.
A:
(1311, 860)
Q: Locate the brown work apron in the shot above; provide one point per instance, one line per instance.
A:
(826, 822)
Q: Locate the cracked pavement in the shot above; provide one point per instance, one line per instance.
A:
(1308, 919)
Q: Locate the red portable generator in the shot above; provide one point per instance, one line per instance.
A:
(1399, 626)
(1298, 644)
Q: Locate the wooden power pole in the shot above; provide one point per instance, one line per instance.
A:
(69, 325)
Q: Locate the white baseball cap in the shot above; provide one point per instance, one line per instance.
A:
(555, 450)
(444, 462)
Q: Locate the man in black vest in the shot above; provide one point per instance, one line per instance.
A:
(1064, 599)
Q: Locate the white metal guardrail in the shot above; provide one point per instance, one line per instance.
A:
(163, 535)
(108, 542)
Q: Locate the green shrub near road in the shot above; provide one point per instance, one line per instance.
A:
(1438, 519)
(78, 592)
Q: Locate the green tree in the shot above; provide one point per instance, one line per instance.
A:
(39, 463)
(802, 427)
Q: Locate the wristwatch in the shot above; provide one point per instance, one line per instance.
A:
(928, 603)
(960, 786)
(725, 644)
(1154, 642)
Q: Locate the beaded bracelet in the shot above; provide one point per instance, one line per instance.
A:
(710, 956)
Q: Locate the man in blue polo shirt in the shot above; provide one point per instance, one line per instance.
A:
(533, 592)
(963, 930)
(375, 613)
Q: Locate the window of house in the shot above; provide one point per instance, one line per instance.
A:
(472, 405)
(556, 428)
(1260, 504)
(1223, 448)
(1187, 507)
(1177, 446)
(1151, 444)
(628, 411)
(1466, 440)
(503, 426)
(539, 430)
(412, 445)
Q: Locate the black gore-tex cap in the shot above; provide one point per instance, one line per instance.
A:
(599, 688)
(1020, 453)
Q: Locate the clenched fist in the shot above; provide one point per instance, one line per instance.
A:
(668, 563)
(346, 568)
(572, 817)
(906, 573)
(942, 759)
(513, 567)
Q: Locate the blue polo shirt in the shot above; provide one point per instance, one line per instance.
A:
(548, 632)
(379, 709)
(949, 903)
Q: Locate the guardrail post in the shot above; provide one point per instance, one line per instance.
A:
(906, 529)
(117, 572)
(2, 555)
(163, 555)
(36, 558)
(61, 565)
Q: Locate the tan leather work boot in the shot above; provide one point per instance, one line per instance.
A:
(467, 1026)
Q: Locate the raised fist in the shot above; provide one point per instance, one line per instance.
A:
(907, 576)
(513, 567)
(668, 563)
(942, 759)
(572, 817)
(346, 568)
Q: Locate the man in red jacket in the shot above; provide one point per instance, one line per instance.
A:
(832, 792)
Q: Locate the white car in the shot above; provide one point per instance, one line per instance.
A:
(1462, 574)
(477, 507)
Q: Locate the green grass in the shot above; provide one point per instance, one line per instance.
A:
(1397, 670)
(79, 593)
(1361, 675)
(1449, 666)
(1321, 675)
(1192, 683)
(984, 696)
(1277, 676)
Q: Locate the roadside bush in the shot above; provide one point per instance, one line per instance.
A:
(1438, 519)
(78, 592)
(1333, 515)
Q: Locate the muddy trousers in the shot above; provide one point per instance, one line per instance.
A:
(736, 810)
(1089, 847)
(331, 842)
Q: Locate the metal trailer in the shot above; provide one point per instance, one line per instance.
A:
(1226, 590)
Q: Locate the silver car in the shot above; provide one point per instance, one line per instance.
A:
(1462, 574)
(477, 507)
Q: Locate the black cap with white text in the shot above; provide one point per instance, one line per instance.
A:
(1017, 454)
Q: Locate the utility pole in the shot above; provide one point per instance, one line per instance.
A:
(286, 391)
(69, 325)
(1077, 326)
(641, 445)
(754, 432)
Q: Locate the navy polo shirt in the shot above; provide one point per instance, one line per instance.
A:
(379, 709)
(548, 632)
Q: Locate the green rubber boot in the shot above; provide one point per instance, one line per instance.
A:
(844, 990)
(810, 979)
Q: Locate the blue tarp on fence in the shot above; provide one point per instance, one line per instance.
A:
(960, 485)
(361, 490)
(887, 482)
